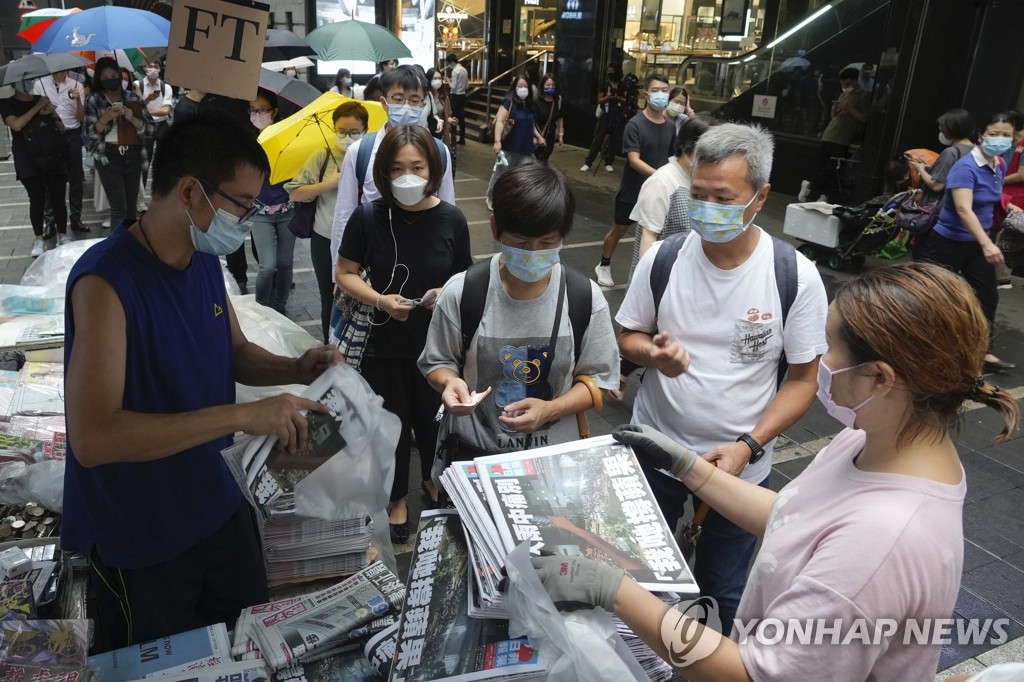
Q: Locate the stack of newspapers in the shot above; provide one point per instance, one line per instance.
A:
(298, 548)
(291, 633)
(588, 498)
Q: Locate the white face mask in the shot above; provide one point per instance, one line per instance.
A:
(152, 73)
(408, 189)
(674, 109)
(848, 90)
(847, 416)
(261, 121)
(943, 140)
(522, 93)
(436, 83)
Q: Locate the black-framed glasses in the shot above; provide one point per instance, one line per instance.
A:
(250, 210)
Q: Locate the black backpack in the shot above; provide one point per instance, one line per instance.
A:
(474, 295)
(44, 143)
(786, 278)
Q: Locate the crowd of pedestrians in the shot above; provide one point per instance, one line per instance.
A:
(732, 327)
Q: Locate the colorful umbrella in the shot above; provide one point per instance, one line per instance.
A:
(356, 40)
(131, 58)
(105, 28)
(289, 143)
(34, 23)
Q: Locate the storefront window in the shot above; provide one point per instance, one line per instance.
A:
(536, 28)
(460, 26)
(661, 34)
(331, 11)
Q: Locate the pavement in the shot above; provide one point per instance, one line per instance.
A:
(992, 585)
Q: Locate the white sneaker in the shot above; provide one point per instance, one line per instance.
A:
(805, 190)
(610, 168)
(584, 168)
(604, 275)
(105, 224)
(38, 247)
(62, 240)
(490, 207)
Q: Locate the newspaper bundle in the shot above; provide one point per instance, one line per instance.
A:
(437, 639)
(316, 625)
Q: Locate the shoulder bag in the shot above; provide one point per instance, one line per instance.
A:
(304, 213)
(351, 319)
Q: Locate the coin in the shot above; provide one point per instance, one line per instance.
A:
(48, 520)
(6, 530)
(18, 525)
(30, 525)
(34, 511)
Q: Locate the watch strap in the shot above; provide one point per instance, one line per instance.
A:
(756, 450)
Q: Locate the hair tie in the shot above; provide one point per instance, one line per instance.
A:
(975, 390)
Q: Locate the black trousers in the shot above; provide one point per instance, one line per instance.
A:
(826, 180)
(407, 394)
(967, 260)
(76, 174)
(459, 112)
(320, 254)
(211, 582)
(121, 177)
(41, 187)
(151, 142)
(606, 125)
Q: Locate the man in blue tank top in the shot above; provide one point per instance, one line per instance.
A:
(153, 351)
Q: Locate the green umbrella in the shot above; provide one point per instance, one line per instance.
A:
(356, 40)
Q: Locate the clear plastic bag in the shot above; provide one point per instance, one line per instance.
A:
(42, 482)
(54, 266)
(582, 646)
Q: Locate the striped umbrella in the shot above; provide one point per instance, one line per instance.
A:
(34, 23)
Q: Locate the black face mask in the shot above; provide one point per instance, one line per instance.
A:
(111, 84)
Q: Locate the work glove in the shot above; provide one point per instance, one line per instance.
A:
(575, 583)
(655, 449)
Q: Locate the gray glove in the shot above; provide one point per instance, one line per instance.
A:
(575, 583)
(654, 448)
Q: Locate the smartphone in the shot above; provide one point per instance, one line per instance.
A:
(419, 301)
(117, 106)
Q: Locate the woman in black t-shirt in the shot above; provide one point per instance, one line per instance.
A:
(412, 243)
(549, 117)
(40, 158)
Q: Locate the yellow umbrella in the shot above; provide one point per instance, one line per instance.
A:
(289, 143)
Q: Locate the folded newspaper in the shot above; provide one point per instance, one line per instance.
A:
(296, 631)
(437, 640)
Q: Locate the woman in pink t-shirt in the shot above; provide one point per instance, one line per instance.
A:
(864, 549)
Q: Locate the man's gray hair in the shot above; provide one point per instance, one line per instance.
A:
(752, 142)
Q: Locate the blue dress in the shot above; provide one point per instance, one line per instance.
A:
(520, 140)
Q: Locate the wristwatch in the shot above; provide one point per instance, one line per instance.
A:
(756, 451)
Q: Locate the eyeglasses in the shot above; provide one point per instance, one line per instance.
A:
(356, 135)
(250, 210)
(261, 112)
(399, 100)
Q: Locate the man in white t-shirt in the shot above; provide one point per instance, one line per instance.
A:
(159, 101)
(715, 341)
(68, 97)
(460, 83)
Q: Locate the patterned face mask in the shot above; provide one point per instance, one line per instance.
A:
(529, 266)
(718, 223)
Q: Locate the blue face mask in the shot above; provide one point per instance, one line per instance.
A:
(224, 235)
(404, 115)
(996, 146)
(718, 223)
(658, 100)
(529, 266)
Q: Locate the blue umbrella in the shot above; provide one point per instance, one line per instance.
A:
(105, 28)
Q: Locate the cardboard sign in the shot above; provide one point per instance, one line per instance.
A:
(764, 106)
(216, 46)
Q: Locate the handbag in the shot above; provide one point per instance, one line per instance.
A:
(1011, 239)
(506, 130)
(541, 151)
(304, 212)
(351, 319)
(916, 217)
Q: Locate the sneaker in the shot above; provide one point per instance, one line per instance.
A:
(62, 240)
(805, 191)
(105, 224)
(604, 275)
(584, 168)
(489, 206)
(610, 168)
(38, 247)
(1004, 285)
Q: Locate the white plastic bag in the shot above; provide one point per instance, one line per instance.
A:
(358, 479)
(582, 646)
(42, 482)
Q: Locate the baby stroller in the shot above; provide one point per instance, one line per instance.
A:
(863, 231)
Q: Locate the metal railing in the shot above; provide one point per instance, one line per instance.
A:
(545, 59)
(475, 62)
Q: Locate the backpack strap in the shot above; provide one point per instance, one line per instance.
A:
(474, 295)
(786, 278)
(787, 281)
(581, 302)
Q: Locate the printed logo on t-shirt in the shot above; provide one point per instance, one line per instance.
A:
(525, 375)
(756, 338)
(217, 310)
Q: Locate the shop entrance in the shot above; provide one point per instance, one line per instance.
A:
(535, 35)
